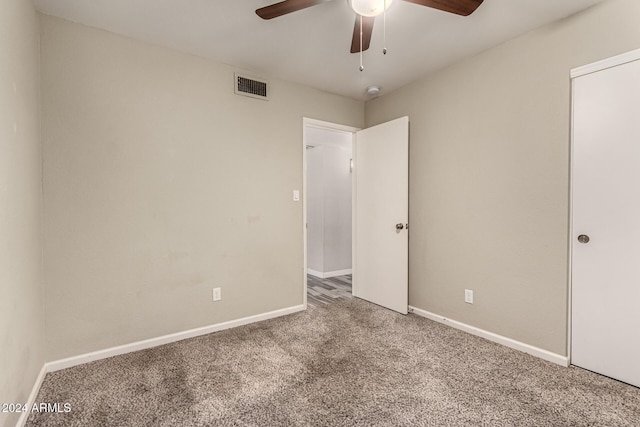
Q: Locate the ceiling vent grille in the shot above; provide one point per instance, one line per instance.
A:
(249, 86)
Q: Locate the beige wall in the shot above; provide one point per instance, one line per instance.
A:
(21, 310)
(490, 175)
(160, 184)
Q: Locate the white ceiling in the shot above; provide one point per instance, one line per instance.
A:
(312, 46)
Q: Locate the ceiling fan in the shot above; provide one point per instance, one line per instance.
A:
(366, 11)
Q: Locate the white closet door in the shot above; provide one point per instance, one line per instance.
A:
(606, 222)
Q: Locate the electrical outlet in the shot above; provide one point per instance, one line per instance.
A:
(468, 296)
(217, 294)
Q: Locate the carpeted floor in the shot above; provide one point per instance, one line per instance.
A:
(345, 364)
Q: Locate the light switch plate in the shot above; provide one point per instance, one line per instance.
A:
(468, 296)
(296, 195)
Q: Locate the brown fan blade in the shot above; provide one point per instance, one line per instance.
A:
(459, 7)
(284, 7)
(367, 30)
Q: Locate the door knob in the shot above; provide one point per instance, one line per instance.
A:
(583, 238)
(399, 226)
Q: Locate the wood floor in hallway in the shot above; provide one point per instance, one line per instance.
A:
(326, 291)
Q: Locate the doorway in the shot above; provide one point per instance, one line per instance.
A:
(327, 210)
(379, 176)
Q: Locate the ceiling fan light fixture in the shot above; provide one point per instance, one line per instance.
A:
(369, 8)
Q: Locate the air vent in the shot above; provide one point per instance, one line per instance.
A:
(249, 86)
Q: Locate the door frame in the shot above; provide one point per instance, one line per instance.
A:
(335, 127)
(594, 67)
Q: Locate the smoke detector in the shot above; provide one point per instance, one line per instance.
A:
(373, 91)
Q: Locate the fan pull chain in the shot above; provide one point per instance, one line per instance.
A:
(361, 66)
(384, 28)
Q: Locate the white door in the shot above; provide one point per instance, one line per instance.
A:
(606, 212)
(381, 215)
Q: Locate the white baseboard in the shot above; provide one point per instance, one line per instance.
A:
(337, 273)
(517, 345)
(328, 274)
(32, 396)
(315, 273)
(165, 339)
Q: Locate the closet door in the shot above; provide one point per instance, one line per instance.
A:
(605, 237)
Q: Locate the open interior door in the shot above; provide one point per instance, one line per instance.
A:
(381, 215)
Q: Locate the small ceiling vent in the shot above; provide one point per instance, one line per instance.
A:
(249, 86)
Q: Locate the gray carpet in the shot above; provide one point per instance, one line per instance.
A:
(345, 364)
